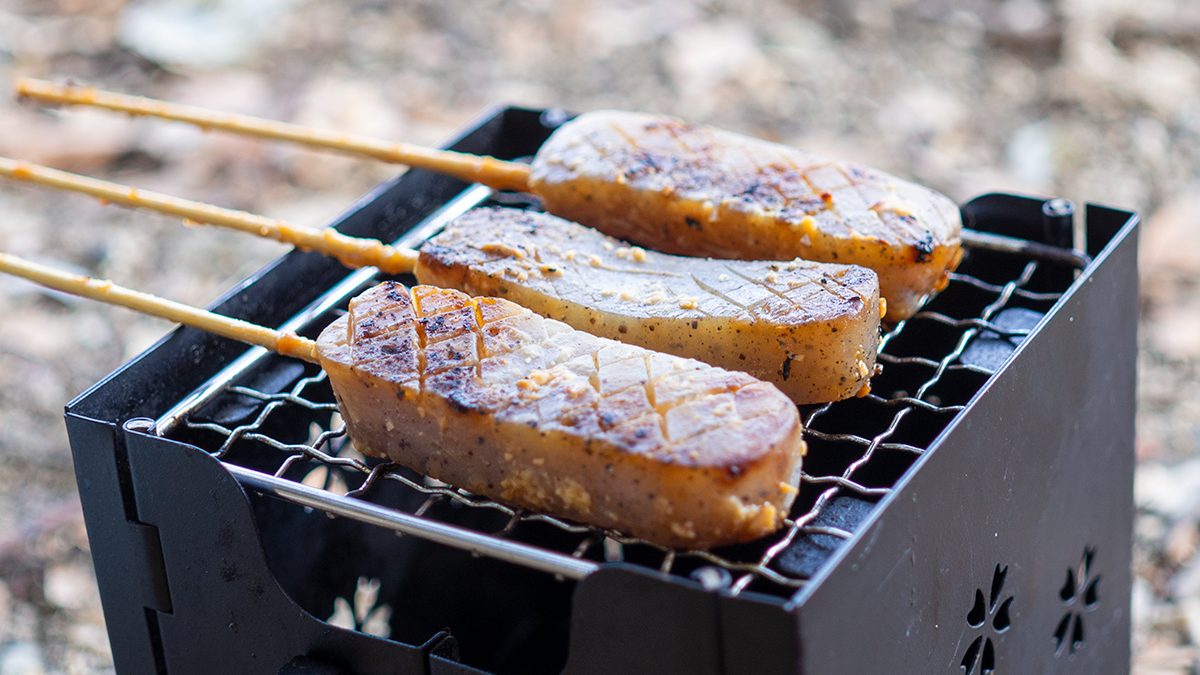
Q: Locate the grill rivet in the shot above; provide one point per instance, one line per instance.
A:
(144, 425)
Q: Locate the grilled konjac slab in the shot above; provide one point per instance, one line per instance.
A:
(488, 396)
(696, 190)
(812, 329)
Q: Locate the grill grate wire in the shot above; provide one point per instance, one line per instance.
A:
(840, 462)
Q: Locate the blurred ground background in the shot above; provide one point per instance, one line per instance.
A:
(1086, 99)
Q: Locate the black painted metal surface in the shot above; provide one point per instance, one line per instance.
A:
(964, 565)
(978, 544)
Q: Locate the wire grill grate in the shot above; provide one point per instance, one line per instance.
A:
(275, 424)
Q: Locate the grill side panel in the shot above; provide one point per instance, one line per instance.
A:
(626, 620)
(102, 473)
(1010, 547)
(233, 615)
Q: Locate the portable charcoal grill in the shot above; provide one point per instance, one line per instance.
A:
(973, 514)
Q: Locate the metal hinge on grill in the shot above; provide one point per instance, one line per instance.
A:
(127, 553)
(145, 551)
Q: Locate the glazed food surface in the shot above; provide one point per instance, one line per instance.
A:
(696, 190)
(812, 329)
(492, 398)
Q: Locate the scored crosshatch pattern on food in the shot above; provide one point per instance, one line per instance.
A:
(858, 448)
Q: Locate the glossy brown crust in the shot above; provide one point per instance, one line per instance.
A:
(811, 329)
(696, 190)
(485, 395)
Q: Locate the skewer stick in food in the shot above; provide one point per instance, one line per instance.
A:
(284, 343)
(485, 395)
(812, 329)
(672, 186)
(472, 168)
(353, 251)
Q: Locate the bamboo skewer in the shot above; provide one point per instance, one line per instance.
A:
(352, 251)
(494, 173)
(490, 171)
(285, 343)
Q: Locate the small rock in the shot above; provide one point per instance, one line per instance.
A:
(921, 111)
(1180, 544)
(1024, 17)
(68, 585)
(1030, 153)
(1142, 603)
(200, 33)
(1150, 527)
(1186, 588)
(1165, 78)
(705, 56)
(610, 26)
(76, 140)
(1172, 490)
(1175, 328)
(22, 658)
(89, 636)
(5, 604)
(1187, 581)
(352, 106)
(1191, 616)
(1163, 249)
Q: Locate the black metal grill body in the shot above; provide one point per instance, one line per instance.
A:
(988, 527)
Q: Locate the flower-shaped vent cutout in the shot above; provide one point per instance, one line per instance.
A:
(363, 612)
(1080, 593)
(992, 616)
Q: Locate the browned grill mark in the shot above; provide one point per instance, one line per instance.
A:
(686, 169)
(764, 178)
(772, 179)
(827, 205)
(786, 159)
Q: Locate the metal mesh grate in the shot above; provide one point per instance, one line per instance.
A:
(275, 424)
